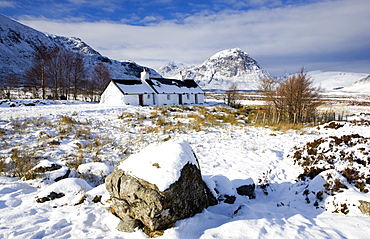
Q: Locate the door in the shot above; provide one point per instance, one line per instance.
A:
(141, 102)
(180, 99)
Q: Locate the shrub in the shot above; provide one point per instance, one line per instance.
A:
(2, 165)
(338, 153)
(294, 100)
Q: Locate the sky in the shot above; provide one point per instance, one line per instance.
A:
(281, 35)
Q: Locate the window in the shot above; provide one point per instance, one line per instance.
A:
(188, 96)
(148, 97)
(168, 97)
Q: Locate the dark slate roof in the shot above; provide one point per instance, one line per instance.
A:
(133, 87)
(172, 86)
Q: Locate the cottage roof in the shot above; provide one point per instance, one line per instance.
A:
(171, 86)
(133, 87)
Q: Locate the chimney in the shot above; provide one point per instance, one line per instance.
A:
(181, 76)
(144, 75)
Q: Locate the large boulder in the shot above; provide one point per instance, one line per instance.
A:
(157, 187)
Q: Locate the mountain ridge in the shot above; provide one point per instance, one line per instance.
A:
(18, 43)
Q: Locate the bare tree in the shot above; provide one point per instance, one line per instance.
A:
(266, 84)
(32, 80)
(78, 73)
(40, 74)
(11, 85)
(295, 100)
(233, 96)
(101, 78)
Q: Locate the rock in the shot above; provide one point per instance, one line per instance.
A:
(144, 205)
(51, 170)
(364, 207)
(247, 190)
(69, 191)
(157, 210)
(63, 176)
(128, 224)
(224, 188)
(51, 196)
(48, 168)
(245, 187)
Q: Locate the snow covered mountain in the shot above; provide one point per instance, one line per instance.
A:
(224, 68)
(172, 68)
(362, 85)
(339, 81)
(18, 43)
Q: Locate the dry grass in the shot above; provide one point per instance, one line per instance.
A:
(66, 120)
(83, 133)
(75, 161)
(22, 163)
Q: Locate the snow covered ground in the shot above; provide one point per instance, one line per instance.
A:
(100, 136)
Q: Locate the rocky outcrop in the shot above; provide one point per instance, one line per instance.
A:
(162, 184)
(148, 203)
(140, 204)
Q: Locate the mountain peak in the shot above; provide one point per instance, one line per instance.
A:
(225, 68)
(228, 53)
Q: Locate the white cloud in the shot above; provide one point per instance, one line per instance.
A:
(296, 35)
(7, 4)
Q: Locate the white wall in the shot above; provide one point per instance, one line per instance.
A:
(163, 99)
(200, 98)
(189, 99)
(148, 99)
(131, 99)
(134, 99)
(112, 95)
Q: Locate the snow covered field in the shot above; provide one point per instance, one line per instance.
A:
(93, 138)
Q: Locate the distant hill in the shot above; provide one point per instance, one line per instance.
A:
(337, 81)
(18, 43)
(362, 85)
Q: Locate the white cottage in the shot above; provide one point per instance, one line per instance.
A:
(152, 91)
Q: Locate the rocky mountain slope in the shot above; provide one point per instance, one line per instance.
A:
(172, 68)
(18, 43)
(223, 69)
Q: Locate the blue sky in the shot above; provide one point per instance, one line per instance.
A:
(282, 35)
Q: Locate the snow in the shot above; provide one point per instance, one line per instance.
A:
(225, 68)
(139, 88)
(95, 168)
(335, 80)
(228, 157)
(73, 188)
(226, 53)
(160, 164)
